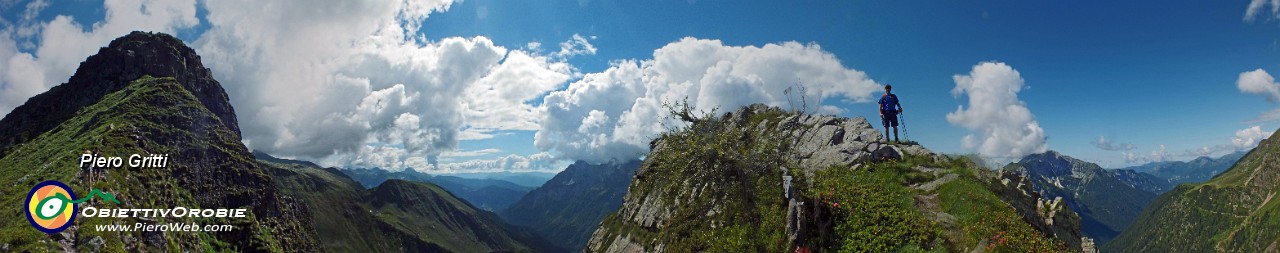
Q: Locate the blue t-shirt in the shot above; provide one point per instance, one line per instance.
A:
(889, 103)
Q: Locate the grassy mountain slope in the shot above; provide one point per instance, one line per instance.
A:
(342, 223)
(1235, 211)
(394, 216)
(434, 215)
(1106, 200)
(208, 168)
(568, 207)
(717, 185)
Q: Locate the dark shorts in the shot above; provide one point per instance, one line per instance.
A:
(889, 119)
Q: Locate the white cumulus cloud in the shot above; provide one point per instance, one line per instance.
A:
(395, 159)
(613, 114)
(1002, 125)
(1249, 137)
(1261, 83)
(377, 93)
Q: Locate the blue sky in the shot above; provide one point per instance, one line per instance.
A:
(1142, 72)
(1145, 73)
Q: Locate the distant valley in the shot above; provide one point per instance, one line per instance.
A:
(1107, 200)
(487, 194)
(396, 215)
(568, 208)
(1235, 211)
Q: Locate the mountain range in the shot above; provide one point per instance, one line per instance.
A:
(1106, 200)
(571, 205)
(396, 215)
(531, 179)
(488, 194)
(1234, 211)
(756, 179)
(1195, 171)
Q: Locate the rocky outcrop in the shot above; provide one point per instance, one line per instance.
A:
(1048, 215)
(111, 69)
(761, 179)
(723, 181)
(820, 141)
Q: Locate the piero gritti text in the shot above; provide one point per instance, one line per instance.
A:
(135, 161)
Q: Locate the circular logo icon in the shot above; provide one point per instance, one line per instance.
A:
(50, 208)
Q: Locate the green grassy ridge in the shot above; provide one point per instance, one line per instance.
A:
(1229, 213)
(395, 200)
(722, 189)
(877, 212)
(395, 216)
(432, 214)
(151, 115)
(339, 218)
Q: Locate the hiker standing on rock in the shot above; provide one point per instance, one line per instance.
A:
(889, 110)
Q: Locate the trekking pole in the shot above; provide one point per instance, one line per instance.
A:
(903, 117)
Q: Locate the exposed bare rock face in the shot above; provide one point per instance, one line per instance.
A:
(111, 69)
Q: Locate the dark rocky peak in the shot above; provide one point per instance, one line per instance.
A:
(1047, 156)
(1051, 163)
(1201, 160)
(112, 68)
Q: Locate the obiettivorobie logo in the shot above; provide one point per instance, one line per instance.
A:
(52, 206)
